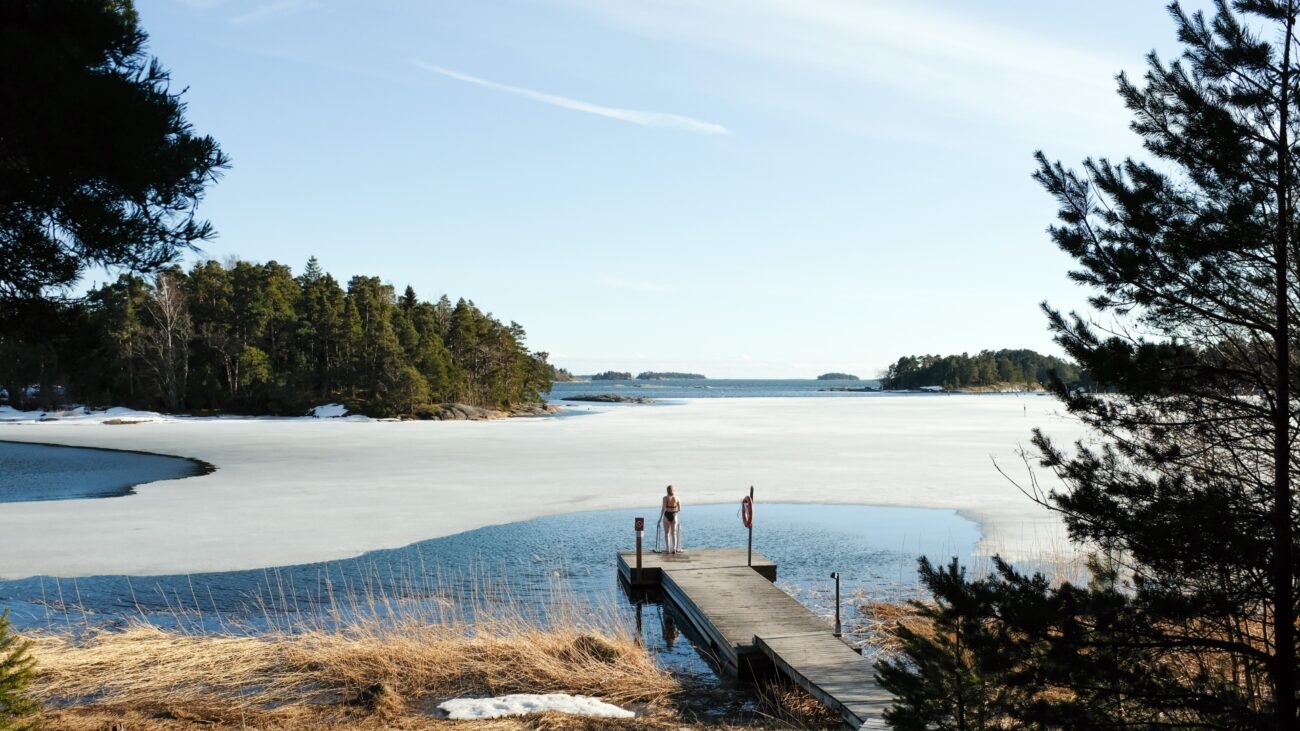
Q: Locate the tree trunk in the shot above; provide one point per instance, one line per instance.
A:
(1284, 670)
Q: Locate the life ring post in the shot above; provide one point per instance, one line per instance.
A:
(750, 524)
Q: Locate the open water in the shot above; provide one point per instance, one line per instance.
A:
(713, 388)
(47, 472)
(531, 568)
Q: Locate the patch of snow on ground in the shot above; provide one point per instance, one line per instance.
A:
(78, 414)
(329, 411)
(124, 415)
(520, 704)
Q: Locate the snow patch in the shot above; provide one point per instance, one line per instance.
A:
(329, 411)
(520, 704)
(79, 414)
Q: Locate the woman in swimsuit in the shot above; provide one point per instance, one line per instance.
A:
(668, 515)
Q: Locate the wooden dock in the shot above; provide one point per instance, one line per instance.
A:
(748, 623)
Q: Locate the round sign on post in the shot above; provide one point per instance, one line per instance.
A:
(640, 524)
(747, 517)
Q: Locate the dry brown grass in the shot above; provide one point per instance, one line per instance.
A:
(383, 671)
(792, 706)
(378, 675)
(879, 623)
(132, 721)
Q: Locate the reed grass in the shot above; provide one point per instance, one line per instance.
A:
(384, 669)
(374, 658)
(876, 622)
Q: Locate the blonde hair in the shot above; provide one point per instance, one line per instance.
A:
(670, 489)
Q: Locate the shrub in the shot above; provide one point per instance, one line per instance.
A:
(17, 668)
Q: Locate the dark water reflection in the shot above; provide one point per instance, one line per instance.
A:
(531, 567)
(30, 472)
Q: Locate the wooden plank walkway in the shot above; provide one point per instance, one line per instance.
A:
(833, 673)
(707, 558)
(747, 622)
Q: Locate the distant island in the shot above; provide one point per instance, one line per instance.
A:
(667, 375)
(837, 377)
(986, 370)
(611, 398)
(612, 376)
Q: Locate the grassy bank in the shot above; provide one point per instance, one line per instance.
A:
(374, 674)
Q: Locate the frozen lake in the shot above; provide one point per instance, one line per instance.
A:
(289, 492)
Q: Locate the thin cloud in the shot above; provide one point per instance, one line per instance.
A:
(632, 116)
(274, 9)
(1003, 74)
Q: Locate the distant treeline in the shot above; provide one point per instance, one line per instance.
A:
(612, 376)
(644, 376)
(837, 377)
(986, 368)
(253, 338)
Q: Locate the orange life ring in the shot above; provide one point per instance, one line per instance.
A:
(747, 511)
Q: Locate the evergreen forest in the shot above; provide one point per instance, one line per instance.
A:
(253, 338)
(986, 368)
(612, 376)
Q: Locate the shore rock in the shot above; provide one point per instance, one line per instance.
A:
(463, 412)
(466, 412)
(526, 410)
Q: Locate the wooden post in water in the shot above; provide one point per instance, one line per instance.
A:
(640, 530)
(839, 628)
(750, 558)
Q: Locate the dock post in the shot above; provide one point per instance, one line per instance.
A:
(839, 628)
(639, 523)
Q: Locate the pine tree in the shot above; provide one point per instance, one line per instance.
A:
(17, 670)
(1195, 484)
(951, 690)
(119, 193)
(1189, 489)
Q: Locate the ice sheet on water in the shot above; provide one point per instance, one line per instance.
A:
(519, 704)
(332, 488)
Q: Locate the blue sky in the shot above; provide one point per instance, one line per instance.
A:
(744, 188)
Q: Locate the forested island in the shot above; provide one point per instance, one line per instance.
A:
(612, 376)
(837, 377)
(254, 338)
(562, 375)
(988, 368)
(645, 376)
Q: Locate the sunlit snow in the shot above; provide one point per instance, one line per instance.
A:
(289, 491)
(519, 704)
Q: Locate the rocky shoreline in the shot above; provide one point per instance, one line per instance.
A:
(610, 398)
(467, 412)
